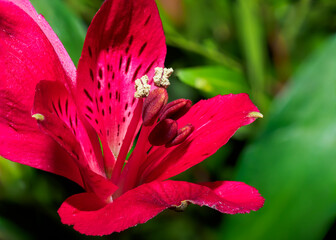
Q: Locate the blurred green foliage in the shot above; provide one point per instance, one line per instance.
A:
(293, 160)
(219, 47)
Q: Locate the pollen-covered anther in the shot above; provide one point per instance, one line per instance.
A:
(142, 88)
(182, 135)
(38, 116)
(176, 109)
(153, 105)
(161, 76)
(163, 132)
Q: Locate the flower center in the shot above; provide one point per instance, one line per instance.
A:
(155, 107)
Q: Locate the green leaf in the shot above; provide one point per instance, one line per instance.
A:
(293, 162)
(65, 24)
(214, 80)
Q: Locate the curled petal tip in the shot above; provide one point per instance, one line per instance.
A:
(38, 116)
(180, 208)
(255, 115)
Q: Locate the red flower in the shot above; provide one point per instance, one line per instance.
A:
(78, 109)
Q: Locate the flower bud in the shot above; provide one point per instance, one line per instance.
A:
(182, 135)
(163, 132)
(153, 105)
(176, 109)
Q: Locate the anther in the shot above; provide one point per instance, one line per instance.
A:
(142, 88)
(38, 116)
(176, 109)
(182, 135)
(153, 105)
(163, 132)
(161, 76)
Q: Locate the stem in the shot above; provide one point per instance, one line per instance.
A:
(295, 21)
(177, 40)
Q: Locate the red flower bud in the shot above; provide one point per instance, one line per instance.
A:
(182, 135)
(176, 109)
(153, 105)
(163, 132)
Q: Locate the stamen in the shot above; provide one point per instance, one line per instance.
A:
(142, 87)
(153, 105)
(182, 135)
(176, 109)
(163, 132)
(161, 76)
(38, 116)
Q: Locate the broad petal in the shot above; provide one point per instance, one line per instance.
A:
(215, 121)
(65, 125)
(146, 201)
(124, 42)
(23, 142)
(59, 49)
(26, 57)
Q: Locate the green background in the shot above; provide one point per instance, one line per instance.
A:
(280, 52)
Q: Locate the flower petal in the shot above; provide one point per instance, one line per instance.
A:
(65, 125)
(62, 54)
(146, 201)
(27, 56)
(215, 121)
(124, 42)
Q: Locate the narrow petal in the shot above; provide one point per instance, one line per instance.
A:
(63, 123)
(27, 56)
(146, 201)
(215, 121)
(124, 42)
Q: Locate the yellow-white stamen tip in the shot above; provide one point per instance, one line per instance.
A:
(161, 76)
(38, 116)
(255, 115)
(142, 88)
